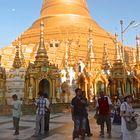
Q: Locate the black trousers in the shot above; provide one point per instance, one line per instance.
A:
(87, 126)
(16, 124)
(46, 121)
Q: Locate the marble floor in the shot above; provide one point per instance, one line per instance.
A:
(61, 127)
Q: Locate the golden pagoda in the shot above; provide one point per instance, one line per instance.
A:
(64, 20)
(74, 43)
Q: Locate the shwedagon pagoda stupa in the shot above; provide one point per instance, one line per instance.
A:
(65, 21)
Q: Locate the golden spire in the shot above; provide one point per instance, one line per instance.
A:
(23, 62)
(106, 63)
(17, 61)
(118, 50)
(90, 46)
(90, 57)
(137, 49)
(41, 52)
(59, 7)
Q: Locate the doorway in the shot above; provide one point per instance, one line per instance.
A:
(44, 86)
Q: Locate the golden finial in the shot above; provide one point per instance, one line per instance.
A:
(41, 52)
(17, 61)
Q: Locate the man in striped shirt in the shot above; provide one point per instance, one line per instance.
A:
(40, 113)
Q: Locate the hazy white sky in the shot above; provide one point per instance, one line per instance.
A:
(17, 15)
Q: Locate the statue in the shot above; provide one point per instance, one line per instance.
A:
(30, 92)
(71, 75)
(81, 66)
(58, 91)
(119, 92)
(63, 76)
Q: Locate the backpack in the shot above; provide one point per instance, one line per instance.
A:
(103, 106)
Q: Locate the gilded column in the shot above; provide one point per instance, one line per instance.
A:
(26, 88)
(36, 88)
(31, 88)
(86, 89)
(114, 88)
(95, 89)
(53, 91)
(123, 88)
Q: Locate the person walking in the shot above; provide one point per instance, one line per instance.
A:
(40, 114)
(126, 111)
(103, 110)
(16, 113)
(88, 130)
(116, 105)
(79, 114)
(47, 113)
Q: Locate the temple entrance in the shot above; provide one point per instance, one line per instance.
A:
(44, 86)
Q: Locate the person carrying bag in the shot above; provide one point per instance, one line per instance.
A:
(128, 121)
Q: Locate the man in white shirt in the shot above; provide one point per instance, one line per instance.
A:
(103, 109)
(16, 113)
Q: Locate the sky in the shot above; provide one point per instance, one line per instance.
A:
(18, 15)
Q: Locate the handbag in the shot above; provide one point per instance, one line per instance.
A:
(131, 124)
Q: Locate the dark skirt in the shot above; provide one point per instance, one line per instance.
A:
(117, 118)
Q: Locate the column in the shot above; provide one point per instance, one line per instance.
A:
(26, 89)
(132, 88)
(53, 91)
(114, 88)
(86, 90)
(36, 88)
(95, 89)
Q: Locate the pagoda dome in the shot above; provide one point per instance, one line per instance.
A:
(65, 20)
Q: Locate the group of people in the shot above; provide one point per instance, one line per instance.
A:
(104, 107)
(79, 111)
(42, 114)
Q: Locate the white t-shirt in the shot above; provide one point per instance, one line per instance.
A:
(47, 103)
(17, 109)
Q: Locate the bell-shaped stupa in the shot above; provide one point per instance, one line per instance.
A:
(66, 22)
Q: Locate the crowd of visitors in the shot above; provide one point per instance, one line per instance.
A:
(116, 111)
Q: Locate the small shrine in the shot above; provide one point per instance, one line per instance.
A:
(15, 79)
(42, 75)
